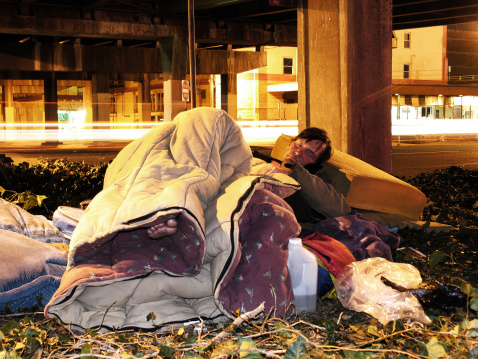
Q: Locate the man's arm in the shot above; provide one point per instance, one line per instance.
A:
(319, 195)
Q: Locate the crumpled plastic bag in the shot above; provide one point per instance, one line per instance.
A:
(359, 287)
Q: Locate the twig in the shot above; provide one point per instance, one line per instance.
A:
(104, 314)
(238, 321)
(408, 354)
(200, 329)
(266, 352)
(153, 355)
(386, 337)
(340, 317)
(308, 324)
(13, 315)
(275, 300)
(88, 355)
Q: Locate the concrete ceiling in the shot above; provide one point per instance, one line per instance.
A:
(406, 13)
(409, 14)
(275, 16)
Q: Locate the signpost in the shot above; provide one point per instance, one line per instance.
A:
(185, 90)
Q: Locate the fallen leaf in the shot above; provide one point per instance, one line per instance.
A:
(435, 349)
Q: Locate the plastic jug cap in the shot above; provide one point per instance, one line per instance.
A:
(295, 241)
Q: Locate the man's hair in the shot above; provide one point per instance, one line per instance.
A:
(314, 133)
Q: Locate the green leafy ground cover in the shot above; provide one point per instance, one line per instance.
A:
(331, 332)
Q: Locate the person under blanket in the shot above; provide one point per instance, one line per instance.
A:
(317, 199)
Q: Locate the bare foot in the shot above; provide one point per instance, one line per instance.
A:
(164, 229)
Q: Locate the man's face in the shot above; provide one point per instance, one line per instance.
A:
(303, 152)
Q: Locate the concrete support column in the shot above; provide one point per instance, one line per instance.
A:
(50, 86)
(173, 62)
(100, 97)
(344, 74)
(88, 102)
(51, 100)
(229, 87)
(173, 103)
(144, 107)
(8, 98)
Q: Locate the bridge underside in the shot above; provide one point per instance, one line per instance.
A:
(345, 88)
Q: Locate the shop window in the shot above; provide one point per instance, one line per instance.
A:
(406, 71)
(288, 64)
(157, 104)
(406, 40)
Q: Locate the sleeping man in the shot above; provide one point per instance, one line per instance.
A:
(317, 199)
(319, 207)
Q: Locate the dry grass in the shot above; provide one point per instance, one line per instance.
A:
(331, 332)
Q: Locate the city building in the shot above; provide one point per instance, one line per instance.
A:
(435, 73)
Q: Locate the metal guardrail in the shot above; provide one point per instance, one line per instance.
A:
(463, 78)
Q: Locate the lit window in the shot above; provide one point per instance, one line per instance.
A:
(288, 62)
(406, 40)
(406, 71)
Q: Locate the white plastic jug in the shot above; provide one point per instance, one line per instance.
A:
(303, 271)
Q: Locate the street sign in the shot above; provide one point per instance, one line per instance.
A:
(185, 90)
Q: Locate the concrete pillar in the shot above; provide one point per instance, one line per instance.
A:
(51, 99)
(344, 74)
(229, 87)
(8, 98)
(88, 102)
(144, 107)
(224, 92)
(212, 89)
(173, 103)
(51, 109)
(173, 52)
(100, 97)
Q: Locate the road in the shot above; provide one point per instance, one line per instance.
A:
(412, 159)
(407, 159)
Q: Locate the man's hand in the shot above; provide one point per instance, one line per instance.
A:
(272, 168)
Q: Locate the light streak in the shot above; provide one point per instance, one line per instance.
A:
(255, 132)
